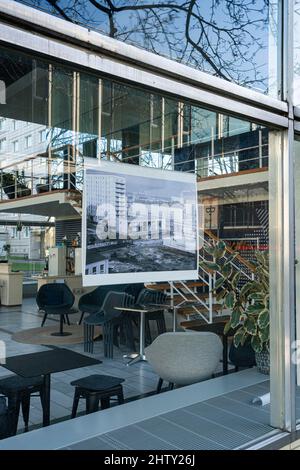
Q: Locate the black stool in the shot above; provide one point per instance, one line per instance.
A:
(95, 388)
(18, 391)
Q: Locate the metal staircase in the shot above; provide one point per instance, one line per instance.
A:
(200, 292)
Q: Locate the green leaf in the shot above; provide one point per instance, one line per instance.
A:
(220, 249)
(220, 295)
(246, 288)
(239, 337)
(256, 296)
(263, 319)
(260, 257)
(209, 249)
(227, 327)
(219, 283)
(209, 266)
(264, 334)
(236, 279)
(256, 344)
(266, 300)
(250, 326)
(235, 317)
(226, 270)
(255, 309)
(229, 300)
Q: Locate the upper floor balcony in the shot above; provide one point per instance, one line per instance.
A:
(44, 184)
(53, 116)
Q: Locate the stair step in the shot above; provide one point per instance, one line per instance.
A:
(178, 298)
(187, 311)
(166, 286)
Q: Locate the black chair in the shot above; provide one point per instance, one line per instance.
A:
(110, 319)
(92, 302)
(134, 289)
(95, 389)
(153, 297)
(4, 419)
(18, 391)
(54, 296)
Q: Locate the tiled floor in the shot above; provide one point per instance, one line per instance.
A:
(139, 378)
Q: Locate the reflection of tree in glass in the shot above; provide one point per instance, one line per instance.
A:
(229, 38)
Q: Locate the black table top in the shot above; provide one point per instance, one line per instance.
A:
(47, 362)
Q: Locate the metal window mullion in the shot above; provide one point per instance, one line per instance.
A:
(282, 280)
(50, 104)
(99, 118)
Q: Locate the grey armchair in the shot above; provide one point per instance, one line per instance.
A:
(184, 358)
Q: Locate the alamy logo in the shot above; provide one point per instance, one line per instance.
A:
(146, 221)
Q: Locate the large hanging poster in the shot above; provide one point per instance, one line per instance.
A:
(139, 224)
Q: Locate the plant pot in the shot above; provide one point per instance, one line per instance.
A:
(263, 362)
(42, 188)
(10, 191)
(242, 356)
(23, 191)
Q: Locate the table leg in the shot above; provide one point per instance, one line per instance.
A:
(142, 336)
(225, 354)
(134, 358)
(13, 413)
(61, 325)
(46, 400)
(61, 331)
(174, 319)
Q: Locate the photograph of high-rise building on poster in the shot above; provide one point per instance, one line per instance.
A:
(139, 224)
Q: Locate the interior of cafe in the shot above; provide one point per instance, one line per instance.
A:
(52, 118)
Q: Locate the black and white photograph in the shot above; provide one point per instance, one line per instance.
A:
(139, 224)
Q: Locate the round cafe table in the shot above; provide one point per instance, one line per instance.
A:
(62, 312)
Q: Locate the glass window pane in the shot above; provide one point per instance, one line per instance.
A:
(89, 115)
(235, 40)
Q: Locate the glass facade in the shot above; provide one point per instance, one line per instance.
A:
(64, 115)
(236, 41)
(57, 116)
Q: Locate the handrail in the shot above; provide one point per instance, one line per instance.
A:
(229, 250)
(26, 172)
(33, 157)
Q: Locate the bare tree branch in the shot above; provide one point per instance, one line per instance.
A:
(224, 37)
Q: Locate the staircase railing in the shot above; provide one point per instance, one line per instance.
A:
(41, 173)
(245, 263)
(181, 291)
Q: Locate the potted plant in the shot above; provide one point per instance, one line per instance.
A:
(22, 189)
(6, 248)
(8, 182)
(248, 304)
